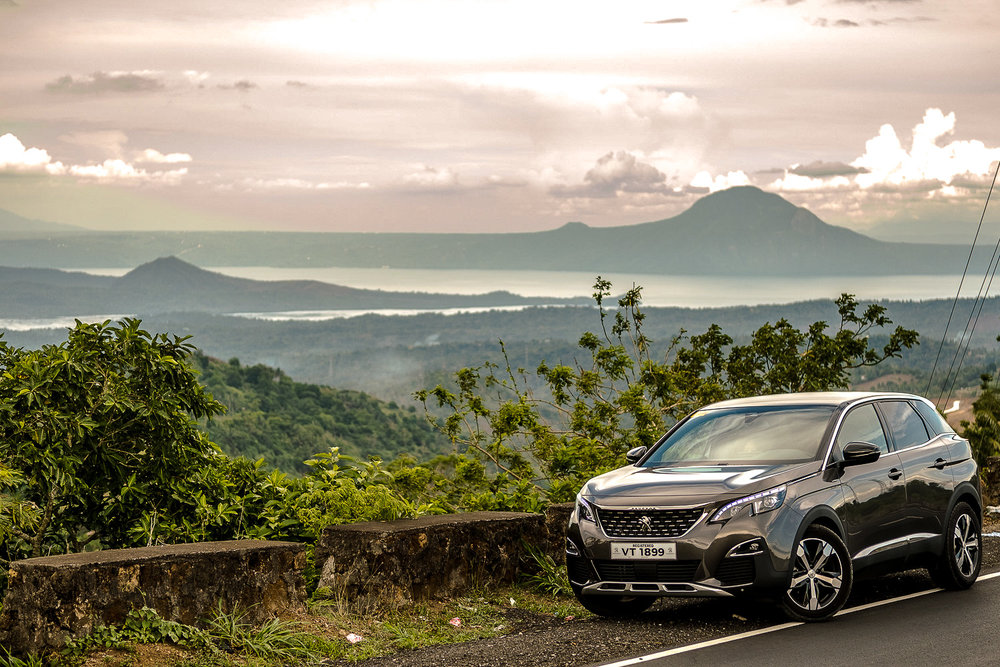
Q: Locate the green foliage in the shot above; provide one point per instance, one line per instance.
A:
(983, 433)
(273, 640)
(96, 432)
(141, 626)
(542, 434)
(550, 577)
(286, 422)
(8, 660)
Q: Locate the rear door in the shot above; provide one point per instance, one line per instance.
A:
(925, 457)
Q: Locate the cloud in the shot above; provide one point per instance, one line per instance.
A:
(155, 156)
(614, 174)
(243, 85)
(821, 169)
(667, 21)
(887, 163)
(103, 82)
(194, 77)
(839, 23)
(16, 158)
(704, 181)
(297, 84)
(121, 171)
(431, 177)
(299, 184)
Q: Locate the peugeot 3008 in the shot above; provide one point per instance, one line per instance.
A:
(788, 495)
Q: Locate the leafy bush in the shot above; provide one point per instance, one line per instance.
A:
(542, 434)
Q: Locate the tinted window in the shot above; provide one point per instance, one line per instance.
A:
(935, 422)
(785, 433)
(862, 425)
(906, 426)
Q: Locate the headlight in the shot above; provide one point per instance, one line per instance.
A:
(584, 510)
(765, 501)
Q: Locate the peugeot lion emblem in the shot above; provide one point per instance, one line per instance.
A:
(647, 526)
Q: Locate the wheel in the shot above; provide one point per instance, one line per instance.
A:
(615, 606)
(821, 576)
(961, 558)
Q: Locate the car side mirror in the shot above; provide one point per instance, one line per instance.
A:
(634, 454)
(856, 453)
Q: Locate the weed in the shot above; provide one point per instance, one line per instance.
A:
(8, 660)
(551, 577)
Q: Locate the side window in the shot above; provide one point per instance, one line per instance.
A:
(935, 422)
(862, 425)
(906, 426)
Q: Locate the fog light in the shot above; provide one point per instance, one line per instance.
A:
(571, 548)
(748, 548)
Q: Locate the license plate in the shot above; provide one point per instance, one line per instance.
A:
(643, 551)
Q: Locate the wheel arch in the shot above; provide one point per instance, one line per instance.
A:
(966, 492)
(822, 516)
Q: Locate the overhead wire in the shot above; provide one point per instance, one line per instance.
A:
(965, 340)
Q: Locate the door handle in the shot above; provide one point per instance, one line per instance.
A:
(895, 473)
(939, 464)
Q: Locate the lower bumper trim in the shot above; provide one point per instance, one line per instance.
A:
(657, 589)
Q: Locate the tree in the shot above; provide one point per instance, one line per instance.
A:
(556, 427)
(983, 433)
(100, 437)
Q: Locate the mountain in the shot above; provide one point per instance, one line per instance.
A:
(169, 284)
(13, 225)
(740, 231)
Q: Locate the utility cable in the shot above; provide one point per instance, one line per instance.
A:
(961, 282)
(965, 341)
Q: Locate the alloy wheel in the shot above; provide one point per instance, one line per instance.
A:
(817, 574)
(965, 545)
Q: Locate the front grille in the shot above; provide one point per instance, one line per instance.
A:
(675, 571)
(735, 571)
(647, 523)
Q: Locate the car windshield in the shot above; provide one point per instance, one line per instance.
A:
(746, 435)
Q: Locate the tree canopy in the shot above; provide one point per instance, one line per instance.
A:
(547, 431)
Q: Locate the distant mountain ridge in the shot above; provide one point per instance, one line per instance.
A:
(170, 285)
(13, 225)
(740, 231)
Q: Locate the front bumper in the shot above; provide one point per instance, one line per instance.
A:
(747, 553)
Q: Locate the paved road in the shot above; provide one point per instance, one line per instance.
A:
(942, 628)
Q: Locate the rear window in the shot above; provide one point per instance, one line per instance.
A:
(936, 424)
(746, 435)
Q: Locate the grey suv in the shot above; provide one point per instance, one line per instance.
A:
(788, 495)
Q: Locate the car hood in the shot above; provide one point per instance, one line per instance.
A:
(678, 485)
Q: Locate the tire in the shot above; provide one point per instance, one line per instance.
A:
(961, 557)
(821, 576)
(615, 606)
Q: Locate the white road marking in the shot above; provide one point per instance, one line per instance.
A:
(774, 628)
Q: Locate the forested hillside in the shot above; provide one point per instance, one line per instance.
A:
(285, 422)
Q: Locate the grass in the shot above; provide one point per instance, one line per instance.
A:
(322, 634)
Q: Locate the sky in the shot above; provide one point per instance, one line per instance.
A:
(495, 116)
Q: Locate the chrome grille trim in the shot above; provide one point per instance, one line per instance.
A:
(647, 523)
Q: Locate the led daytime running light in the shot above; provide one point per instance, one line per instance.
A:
(585, 511)
(765, 501)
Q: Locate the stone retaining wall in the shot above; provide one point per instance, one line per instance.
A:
(428, 557)
(53, 599)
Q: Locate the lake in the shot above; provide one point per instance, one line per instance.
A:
(658, 290)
